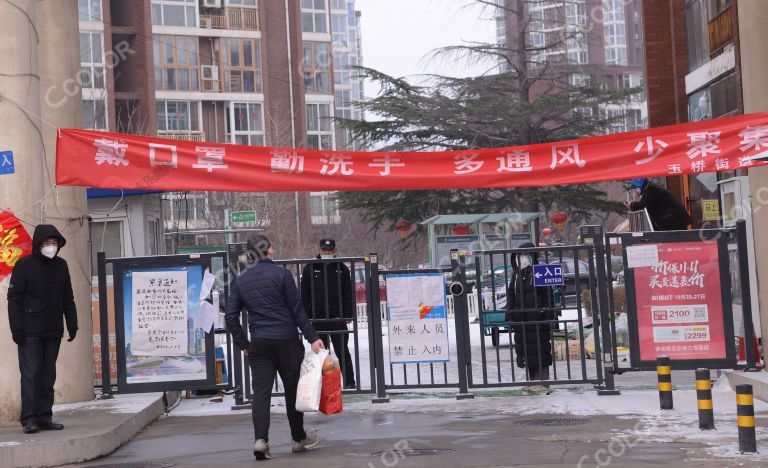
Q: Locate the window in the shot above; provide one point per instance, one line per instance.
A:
(324, 208)
(92, 60)
(313, 16)
(614, 28)
(250, 3)
(697, 31)
(339, 5)
(717, 6)
(576, 14)
(242, 65)
(613, 11)
(344, 104)
(174, 13)
(178, 116)
(181, 207)
(94, 114)
(245, 124)
(340, 30)
(578, 80)
(316, 66)
(153, 236)
(176, 63)
(89, 10)
(106, 236)
(341, 71)
(319, 131)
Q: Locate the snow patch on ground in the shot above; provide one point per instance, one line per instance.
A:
(123, 404)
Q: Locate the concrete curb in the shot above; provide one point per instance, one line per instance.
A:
(98, 443)
(758, 380)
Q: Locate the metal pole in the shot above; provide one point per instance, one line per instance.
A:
(745, 412)
(378, 337)
(106, 365)
(460, 318)
(704, 399)
(746, 296)
(665, 382)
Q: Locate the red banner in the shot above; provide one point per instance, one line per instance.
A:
(109, 160)
(680, 304)
(15, 243)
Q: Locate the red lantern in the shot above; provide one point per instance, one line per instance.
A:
(403, 226)
(559, 219)
(547, 232)
(460, 230)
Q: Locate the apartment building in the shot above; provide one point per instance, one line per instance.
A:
(591, 40)
(248, 72)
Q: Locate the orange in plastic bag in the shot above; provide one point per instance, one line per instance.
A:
(330, 396)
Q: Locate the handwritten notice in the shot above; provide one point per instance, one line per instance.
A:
(159, 326)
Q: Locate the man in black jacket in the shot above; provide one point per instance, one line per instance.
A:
(666, 211)
(269, 295)
(328, 296)
(40, 299)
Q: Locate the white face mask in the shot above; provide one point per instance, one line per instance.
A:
(327, 257)
(49, 251)
(524, 261)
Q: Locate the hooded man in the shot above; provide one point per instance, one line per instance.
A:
(40, 300)
(527, 303)
(666, 211)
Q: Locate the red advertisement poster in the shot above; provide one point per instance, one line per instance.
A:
(679, 303)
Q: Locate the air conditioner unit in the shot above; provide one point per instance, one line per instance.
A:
(210, 72)
(212, 3)
(206, 22)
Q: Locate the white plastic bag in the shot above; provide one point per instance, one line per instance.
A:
(310, 382)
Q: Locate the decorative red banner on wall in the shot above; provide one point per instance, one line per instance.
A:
(110, 160)
(15, 242)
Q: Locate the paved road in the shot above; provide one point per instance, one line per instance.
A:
(358, 440)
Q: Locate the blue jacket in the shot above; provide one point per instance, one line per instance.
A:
(269, 294)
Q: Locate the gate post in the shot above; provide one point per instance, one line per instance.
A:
(593, 234)
(746, 296)
(378, 336)
(106, 363)
(458, 288)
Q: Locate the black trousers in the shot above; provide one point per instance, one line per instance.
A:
(340, 347)
(267, 358)
(37, 364)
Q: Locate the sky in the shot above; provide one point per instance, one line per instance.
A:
(398, 35)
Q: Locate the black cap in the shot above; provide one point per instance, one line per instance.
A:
(328, 244)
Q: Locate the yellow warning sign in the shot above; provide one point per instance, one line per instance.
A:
(710, 210)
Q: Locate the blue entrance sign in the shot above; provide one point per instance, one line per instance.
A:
(548, 275)
(6, 163)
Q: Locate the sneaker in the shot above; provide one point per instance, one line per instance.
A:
(261, 450)
(302, 445)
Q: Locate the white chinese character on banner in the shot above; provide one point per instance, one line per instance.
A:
(467, 163)
(334, 163)
(566, 154)
(654, 148)
(754, 138)
(154, 161)
(386, 162)
(746, 162)
(111, 152)
(722, 164)
(515, 161)
(287, 161)
(675, 169)
(209, 158)
(703, 144)
(698, 166)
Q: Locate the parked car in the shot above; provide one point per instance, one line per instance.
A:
(360, 288)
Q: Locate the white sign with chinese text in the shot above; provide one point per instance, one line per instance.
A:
(159, 324)
(418, 322)
(639, 256)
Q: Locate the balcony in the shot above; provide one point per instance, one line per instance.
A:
(181, 135)
(244, 19)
